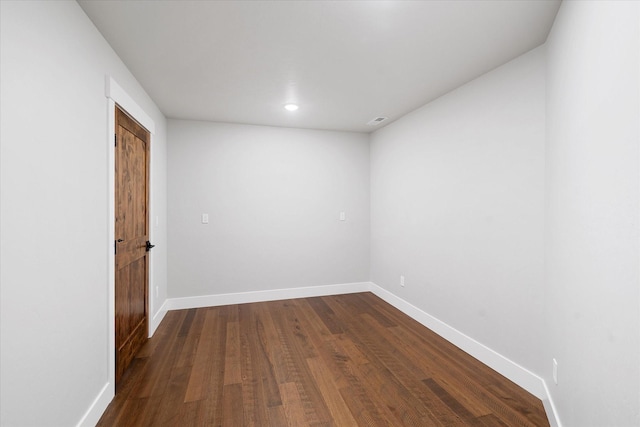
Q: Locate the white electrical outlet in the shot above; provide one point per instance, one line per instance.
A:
(555, 371)
(402, 281)
(205, 218)
(343, 216)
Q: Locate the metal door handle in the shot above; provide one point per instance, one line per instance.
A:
(149, 246)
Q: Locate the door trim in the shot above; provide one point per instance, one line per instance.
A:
(116, 95)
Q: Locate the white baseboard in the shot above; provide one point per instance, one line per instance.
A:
(506, 367)
(157, 318)
(97, 407)
(550, 408)
(516, 373)
(270, 295)
(106, 395)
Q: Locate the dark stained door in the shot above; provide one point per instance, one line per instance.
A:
(131, 234)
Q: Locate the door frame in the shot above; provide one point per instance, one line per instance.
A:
(116, 95)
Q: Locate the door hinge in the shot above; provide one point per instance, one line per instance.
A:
(115, 137)
(115, 247)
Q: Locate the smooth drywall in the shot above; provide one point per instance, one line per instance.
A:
(457, 202)
(54, 210)
(592, 213)
(274, 197)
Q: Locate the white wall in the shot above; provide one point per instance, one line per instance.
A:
(54, 210)
(592, 213)
(457, 191)
(273, 196)
(457, 195)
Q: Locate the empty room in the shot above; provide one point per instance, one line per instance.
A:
(320, 213)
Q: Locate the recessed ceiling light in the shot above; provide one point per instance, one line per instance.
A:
(291, 107)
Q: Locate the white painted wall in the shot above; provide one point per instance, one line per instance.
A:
(54, 210)
(592, 213)
(457, 196)
(273, 196)
(457, 206)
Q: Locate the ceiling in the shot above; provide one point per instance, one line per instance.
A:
(343, 62)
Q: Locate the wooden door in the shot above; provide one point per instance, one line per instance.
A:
(132, 236)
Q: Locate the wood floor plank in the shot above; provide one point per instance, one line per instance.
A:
(188, 414)
(362, 305)
(470, 381)
(336, 357)
(212, 405)
(362, 408)
(288, 318)
(400, 405)
(325, 314)
(412, 355)
(189, 349)
(275, 345)
(458, 408)
(383, 356)
(337, 406)
(198, 387)
(490, 420)
(468, 374)
(167, 406)
(312, 323)
(157, 369)
(293, 409)
(259, 389)
(277, 416)
(358, 393)
(416, 352)
(233, 415)
(345, 360)
(185, 328)
(232, 365)
(297, 344)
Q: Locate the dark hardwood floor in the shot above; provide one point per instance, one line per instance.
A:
(346, 360)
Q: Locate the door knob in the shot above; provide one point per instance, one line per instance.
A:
(149, 246)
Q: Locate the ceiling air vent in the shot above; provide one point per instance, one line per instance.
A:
(377, 121)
